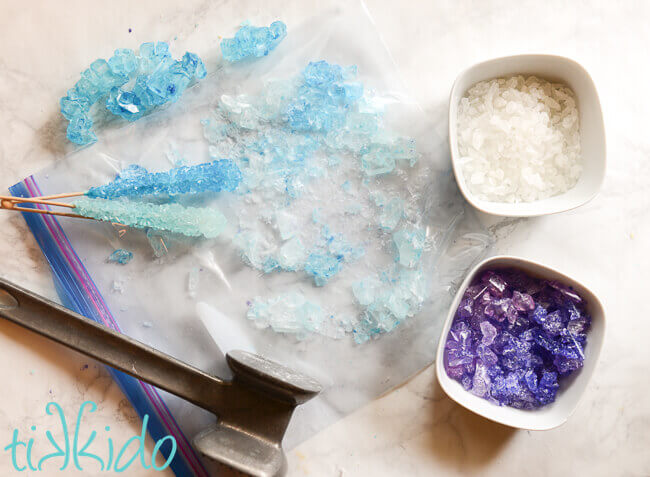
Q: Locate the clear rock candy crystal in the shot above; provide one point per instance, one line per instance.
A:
(514, 337)
(215, 176)
(190, 221)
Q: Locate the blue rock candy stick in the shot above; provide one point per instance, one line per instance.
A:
(215, 176)
(190, 221)
(253, 42)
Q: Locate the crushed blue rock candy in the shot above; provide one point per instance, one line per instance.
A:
(215, 176)
(319, 126)
(279, 134)
(120, 256)
(514, 338)
(155, 76)
(251, 41)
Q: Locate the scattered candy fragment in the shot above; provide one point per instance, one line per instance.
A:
(157, 241)
(251, 41)
(135, 181)
(322, 267)
(120, 256)
(193, 282)
(190, 221)
(387, 300)
(514, 336)
(409, 245)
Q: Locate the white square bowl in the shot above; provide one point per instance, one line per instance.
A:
(592, 129)
(571, 388)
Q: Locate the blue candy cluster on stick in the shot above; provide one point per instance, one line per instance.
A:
(158, 79)
(513, 336)
(215, 176)
(251, 41)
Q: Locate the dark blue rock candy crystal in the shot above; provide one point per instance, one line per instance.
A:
(514, 338)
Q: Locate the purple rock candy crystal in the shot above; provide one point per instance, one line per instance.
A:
(513, 336)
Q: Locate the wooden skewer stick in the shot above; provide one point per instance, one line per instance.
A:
(48, 212)
(34, 200)
(60, 196)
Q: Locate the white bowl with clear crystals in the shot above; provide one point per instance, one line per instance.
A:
(592, 130)
(571, 389)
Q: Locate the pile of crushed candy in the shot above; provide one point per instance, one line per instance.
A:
(129, 85)
(514, 337)
(321, 129)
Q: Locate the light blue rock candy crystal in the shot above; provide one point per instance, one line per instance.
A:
(251, 41)
(409, 244)
(387, 300)
(293, 314)
(158, 79)
(137, 181)
(322, 267)
(120, 256)
(190, 221)
(288, 313)
(391, 211)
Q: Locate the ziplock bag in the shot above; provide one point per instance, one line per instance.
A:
(168, 295)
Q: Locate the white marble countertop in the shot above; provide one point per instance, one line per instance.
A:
(415, 430)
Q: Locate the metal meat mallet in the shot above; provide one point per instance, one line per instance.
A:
(253, 409)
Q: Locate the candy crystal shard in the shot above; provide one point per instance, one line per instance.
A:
(190, 221)
(513, 336)
(251, 41)
(409, 245)
(120, 256)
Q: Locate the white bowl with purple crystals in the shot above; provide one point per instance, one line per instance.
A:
(571, 389)
(592, 130)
